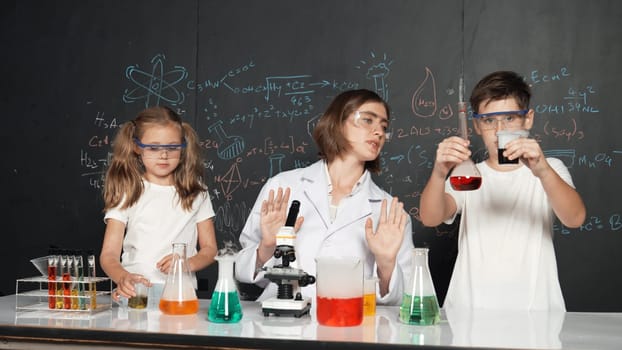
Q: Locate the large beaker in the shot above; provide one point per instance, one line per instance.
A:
(464, 176)
(339, 291)
(178, 296)
(225, 306)
(419, 303)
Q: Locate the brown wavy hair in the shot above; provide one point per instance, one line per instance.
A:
(328, 133)
(124, 175)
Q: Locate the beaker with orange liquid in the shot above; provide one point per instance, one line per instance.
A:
(178, 296)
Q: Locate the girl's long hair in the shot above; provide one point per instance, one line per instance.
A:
(123, 182)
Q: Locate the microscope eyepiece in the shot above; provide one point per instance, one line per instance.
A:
(292, 214)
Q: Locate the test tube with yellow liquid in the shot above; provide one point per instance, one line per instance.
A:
(92, 285)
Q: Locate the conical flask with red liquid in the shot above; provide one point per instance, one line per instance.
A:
(178, 296)
(464, 176)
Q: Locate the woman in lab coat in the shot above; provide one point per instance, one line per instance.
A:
(342, 211)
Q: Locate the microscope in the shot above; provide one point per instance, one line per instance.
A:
(288, 278)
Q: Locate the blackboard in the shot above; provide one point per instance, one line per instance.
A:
(253, 76)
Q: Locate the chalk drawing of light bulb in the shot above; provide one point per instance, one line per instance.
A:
(378, 72)
(424, 98)
(229, 147)
(377, 69)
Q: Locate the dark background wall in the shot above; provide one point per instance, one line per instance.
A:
(254, 76)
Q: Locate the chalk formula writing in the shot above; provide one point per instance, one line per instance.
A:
(594, 223)
(537, 77)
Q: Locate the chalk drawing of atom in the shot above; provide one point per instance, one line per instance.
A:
(155, 86)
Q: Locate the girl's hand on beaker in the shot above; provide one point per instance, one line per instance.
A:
(451, 151)
(125, 286)
(387, 240)
(164, 265)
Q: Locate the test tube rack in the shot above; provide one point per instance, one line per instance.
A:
(32, 294)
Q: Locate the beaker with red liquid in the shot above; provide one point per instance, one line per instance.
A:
(339, 291)
(464, 176)
(178, 296)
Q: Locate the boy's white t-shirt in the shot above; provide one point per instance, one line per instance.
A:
(506, 257)
(153, 223)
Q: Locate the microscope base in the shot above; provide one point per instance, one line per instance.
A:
(286, 307)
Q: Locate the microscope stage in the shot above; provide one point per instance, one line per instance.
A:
(280, 307)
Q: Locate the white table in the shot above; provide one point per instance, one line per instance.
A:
(120, 327)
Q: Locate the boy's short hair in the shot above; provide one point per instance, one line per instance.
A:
(328, 133)
(498, 86)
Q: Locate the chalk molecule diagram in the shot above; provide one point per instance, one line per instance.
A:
(155, 86)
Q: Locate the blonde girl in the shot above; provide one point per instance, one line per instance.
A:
(154, 196)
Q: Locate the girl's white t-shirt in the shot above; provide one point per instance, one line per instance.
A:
(153, 223)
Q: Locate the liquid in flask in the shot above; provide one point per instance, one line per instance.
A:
(225, 306)
(178, 296)
(419, 303)
(464, 176)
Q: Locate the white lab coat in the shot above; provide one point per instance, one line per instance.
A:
(318, 236)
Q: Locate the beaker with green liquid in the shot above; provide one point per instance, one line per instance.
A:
(225, 305)
(419, 303)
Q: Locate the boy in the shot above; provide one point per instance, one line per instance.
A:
(506, 258)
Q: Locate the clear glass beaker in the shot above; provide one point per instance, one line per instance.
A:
(339, 291)
(464, 176)
(178, 296)
(419, 303)
(225, 306)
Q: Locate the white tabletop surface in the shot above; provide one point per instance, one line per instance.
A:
(457, 328)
